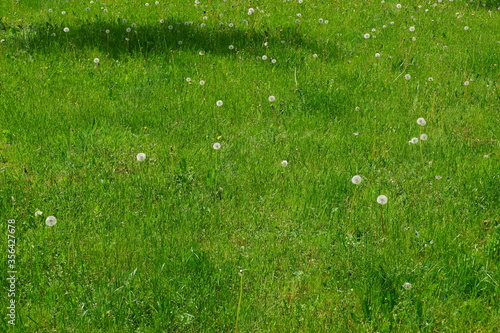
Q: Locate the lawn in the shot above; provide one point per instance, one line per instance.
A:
(250, 166)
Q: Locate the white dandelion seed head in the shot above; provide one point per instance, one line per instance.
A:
(421, 121)
(356, 180)
(466, 28)
(219, 103)
(250, 11)
(271, 98)
(188, 79)
(273, 61)
(179, 42)
(51, 221)
(38, 213)
(398, 6)
(201, 53)
(108, 31)
(133, 25)
(96, 60)
(407, 76)
(366, 36)
(216, 146)
(284, 163)
(377, 55)
(162, 21)
(231, 47)
(170, 27)
(357, 108)
(124, 21)
(66, 29)
(407, 285)
(430, 79)
(157, 3)
(438, 177)
(423, 137)
(412, 28)
(128, 30)
(315, 55)
(264, 57)
(466, 83)
(320, 21)
(146, 4)
(202, 82)
(297, 21)
(87, 9)
(141, 157)
(63, 12)
(413, 141)
(382, 199)
(298, 14)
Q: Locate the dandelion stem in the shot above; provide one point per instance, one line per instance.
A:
(236, 328)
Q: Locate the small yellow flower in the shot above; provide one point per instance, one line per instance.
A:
(220, 136)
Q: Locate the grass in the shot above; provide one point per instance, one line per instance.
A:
(195, 239)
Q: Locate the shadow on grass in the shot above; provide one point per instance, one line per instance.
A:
(119, 39)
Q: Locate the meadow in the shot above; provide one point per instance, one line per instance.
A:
(250, 166)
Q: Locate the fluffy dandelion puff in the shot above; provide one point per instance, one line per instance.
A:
(202, 82)
(231, 47)
(377, 55)
(96, 60)
(407, 76)
(423, 137)
(51, 221)
(66, 29)
(412, 28)
(38, 213)
(413, 141)
(466, 83)
(382, 199)
(273, 61)
(466, 28)
(216, 146)
(264, 57)
(421, 121)
(284, 163)
(398, 6)
(356, 180)
(271, 98)
(438, 177)
(219, 103)
(141, 157)
(407, 286)
(366, 36)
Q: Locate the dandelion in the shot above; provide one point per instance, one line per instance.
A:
(107, 31)
(407, 286)
(157, 3)
(382, 199)
(128, 30)
(377, 55)
(421, 121)
(466, 83)
(297, 21)
(315, 55)
(231, 47)
(146, 4)
(412, 29)
(413, 141)
(202, 82)
(273, 61)
(271, 98)
(133, 25)
(356, 180)
(162, 21)
(284, 163)
(466, 28)
(357, 108)
(398, 6)
(201, 53)
(63, 12)
(407, 76)
(264, 57)
(188, 79)
(38, 213)
(216, 146)
(141, 157)
(87, 9)
(124, 21)
(51, 221)
(438, 177)
(179, 42)
(423, 137)
(250, 11)
(66, 29)
(96, 60)
(219, 103)
(430, 79)
(366, 36)
(170, 27)
(320, 21)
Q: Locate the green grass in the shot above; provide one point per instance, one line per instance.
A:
(195, 239)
